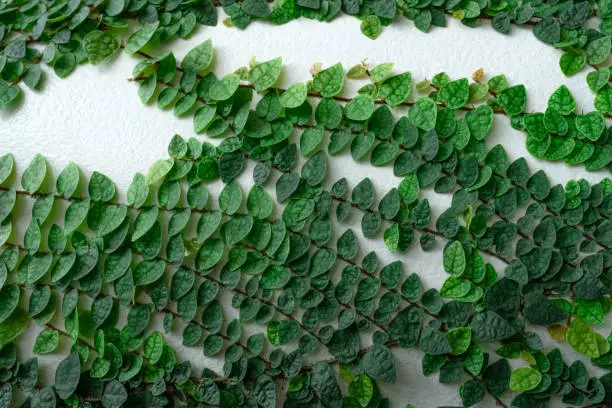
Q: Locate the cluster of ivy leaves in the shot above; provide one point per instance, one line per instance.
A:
(65, 33)
(561, 134)
(99, 279)
(173, 249)
(459, 112)
(557, 250)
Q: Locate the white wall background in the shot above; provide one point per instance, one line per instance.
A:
(94, 117)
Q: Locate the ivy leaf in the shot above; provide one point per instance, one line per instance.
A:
(562, 101)
(379, 363)
(224, 88)
(7, 164)
(46, 342)
(34, 175)
(294, 96)
(583, 338)
(140, 37)
(525, 379)
(359, 108)
(371, 27)
(487, 326)
(265, 392)
(100, 46)
(455, 94)
(513, 99)
(158, 170)
(423, 114)
(396, 89)
(11, 328)
(591, 125)
(199, 58)
(572, 62)
(67, 376)
(68, 180)
(324, 384)
(329, 82)
(362, 390)
(454, 260)
(115, 395)
(265, 74)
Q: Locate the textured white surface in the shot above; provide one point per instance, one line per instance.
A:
(94, 118)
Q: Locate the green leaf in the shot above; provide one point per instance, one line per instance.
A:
(158, 170)
(525, 379)
(100, 187)
(46, 342)
(598, 79)
(409, 189)
(148, 272)
(8, 93)
(275, 277)
(433, 342)
(598, 50)
(265, 74)
(455, 287)
(140, 37)
(7, 164)
(480, 121)
(513, 99)
(362, 390)
(572, 62)
(562, 101)
(455, 94)
(115, 395)
(9, 300)
(153, 347)
(311, 140)
(392, 237)
(100, 45)
(454, 260)
(138, 319)
(371, 27)
(138, 192)
(224, 88)
(487, 326)
(548, 30)
(68, 180)
(329, 82)
(379, 363)
(324, 384)
(294, 96)
(423, 114)
(147, 88)
(67, 376)
(209, 254)
(591, 125)
(265, 392)
(199, 58)
(34, 175)
(396, 89)
(145, 220)
(64, 65)
(459, 339)
(583, 338)
(359, 108)
(380, 72)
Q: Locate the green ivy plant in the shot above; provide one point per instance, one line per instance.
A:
(64, 34)
(458, 112)
(285, 271)
(556, 224)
